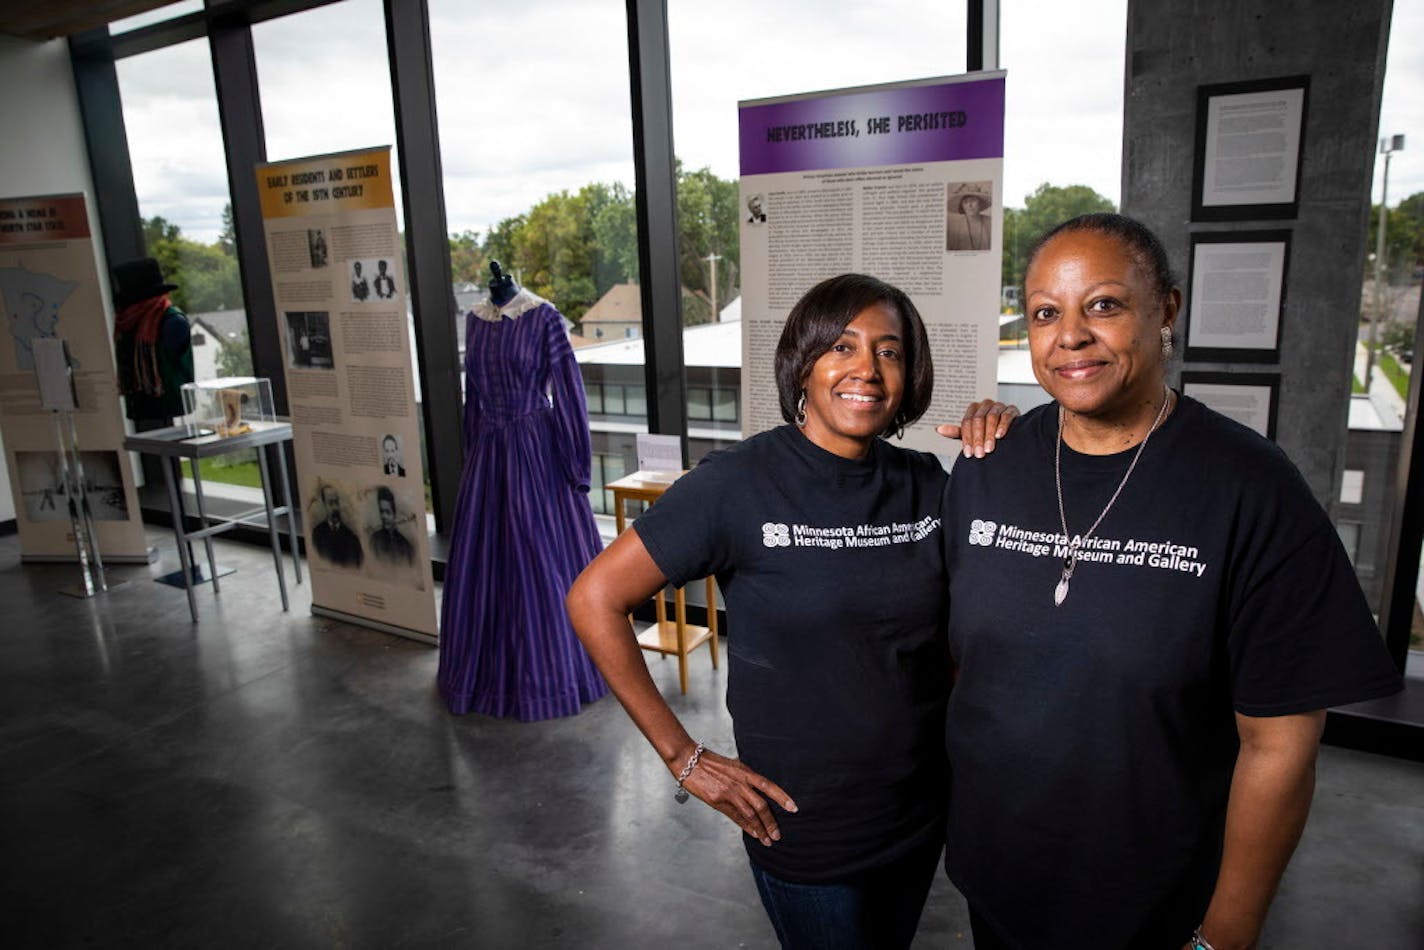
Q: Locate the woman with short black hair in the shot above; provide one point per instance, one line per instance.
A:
(1150, 614)
(825, 539)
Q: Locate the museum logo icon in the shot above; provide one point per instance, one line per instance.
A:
(982, 532)
(775, 535)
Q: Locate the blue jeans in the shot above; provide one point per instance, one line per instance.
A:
(877, 912)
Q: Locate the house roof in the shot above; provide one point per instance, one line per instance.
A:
(622, 303)
(226, 325)
(708, 344)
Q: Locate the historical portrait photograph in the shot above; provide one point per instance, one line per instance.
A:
(968, 223)
(46, 494)
(309, 339)
(316, 247)
(388, 532)
(332, 537)
(392, 459)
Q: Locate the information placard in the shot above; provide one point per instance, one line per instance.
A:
(340, 291)
(903, 182)
(49, 286)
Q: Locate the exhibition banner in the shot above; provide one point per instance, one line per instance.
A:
(338, 278)
(49, 285)
(903, 182)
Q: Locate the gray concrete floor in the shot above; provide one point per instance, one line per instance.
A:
(270, 779)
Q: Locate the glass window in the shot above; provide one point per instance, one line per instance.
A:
(325, 82)
(724, 406)
(1039, 45)
(636, 401)
(180, 177)
(1352, 487)
(844, 44)
(593, 396)
(1349, 532)
(1388, 315)
(325, 85)
(536, 146)
(699, 403)
(607, 467)
(160, 15)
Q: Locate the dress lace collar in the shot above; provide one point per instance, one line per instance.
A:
(519, 304)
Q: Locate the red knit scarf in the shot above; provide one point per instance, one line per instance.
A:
(139, 375)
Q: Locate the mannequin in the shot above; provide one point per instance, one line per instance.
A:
(523, 526)
(502, 287)
(153, 343)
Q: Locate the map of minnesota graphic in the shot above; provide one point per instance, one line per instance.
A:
(32, 308)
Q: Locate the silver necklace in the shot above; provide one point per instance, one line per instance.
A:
(1060, 593)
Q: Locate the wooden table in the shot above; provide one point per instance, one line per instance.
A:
(675, 637)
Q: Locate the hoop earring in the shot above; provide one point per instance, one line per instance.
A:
(801, 410)
(1167, 346)
(899, 426)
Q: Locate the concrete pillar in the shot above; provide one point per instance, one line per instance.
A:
(1174, 47)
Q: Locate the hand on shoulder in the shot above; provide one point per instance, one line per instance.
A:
(983, 424)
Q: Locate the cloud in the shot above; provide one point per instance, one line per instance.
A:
(533, 99)
(1402, 106)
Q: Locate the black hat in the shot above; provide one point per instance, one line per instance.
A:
(138, 280)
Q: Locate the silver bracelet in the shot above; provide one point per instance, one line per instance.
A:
(1199, 942)
(681, 793)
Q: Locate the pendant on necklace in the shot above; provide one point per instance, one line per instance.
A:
(1060, 593)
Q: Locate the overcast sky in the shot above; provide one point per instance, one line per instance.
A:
(533, 97)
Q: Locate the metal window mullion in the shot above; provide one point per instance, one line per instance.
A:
(96, 84)
(650, 85)
(1406, 534)
(244, 147)
(427, 247)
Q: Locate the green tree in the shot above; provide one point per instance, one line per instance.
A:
(206, 275)
(1047, 207)
(708, 223)
(467, 258)
(227, 240)
(615, 234)
(554, 252)
(1404, 238)
(235, 356)
(573, 246)
(499, 243)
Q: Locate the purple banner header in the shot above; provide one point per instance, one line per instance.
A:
(904, 125)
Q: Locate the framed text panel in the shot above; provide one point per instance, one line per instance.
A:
(1236, 296)
(1250, 138)
(1249, 398)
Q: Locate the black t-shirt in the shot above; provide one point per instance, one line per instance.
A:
(1091, 744)
(832, 571)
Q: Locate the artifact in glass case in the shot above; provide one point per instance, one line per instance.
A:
(227, 406)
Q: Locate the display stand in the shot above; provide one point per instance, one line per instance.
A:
(675, 637)
(54, 374)
(81, 516)
(176, 443)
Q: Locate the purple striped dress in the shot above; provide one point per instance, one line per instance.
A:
(523, 525)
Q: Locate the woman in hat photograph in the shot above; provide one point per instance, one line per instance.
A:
(968, 224)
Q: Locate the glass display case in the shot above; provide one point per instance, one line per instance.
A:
(227, 406)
